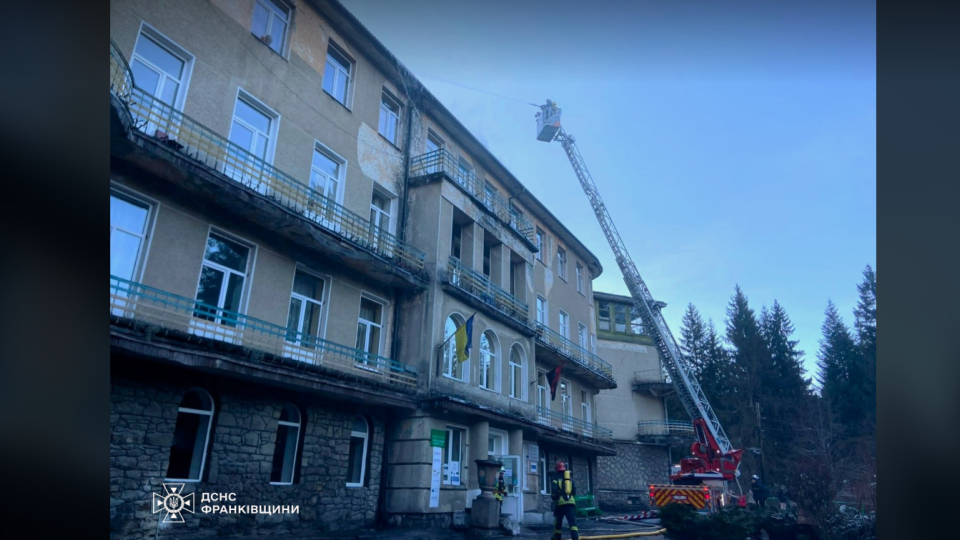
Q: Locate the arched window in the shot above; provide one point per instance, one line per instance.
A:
(451, 366)
(516, 372)
(191, 435)
(489, 361)
(285, 450)
(357, 460)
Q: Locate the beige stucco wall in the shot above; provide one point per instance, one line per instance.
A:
(621, 408)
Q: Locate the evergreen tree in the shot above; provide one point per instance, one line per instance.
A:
(693, 333)
(865, 323)
(837, 357)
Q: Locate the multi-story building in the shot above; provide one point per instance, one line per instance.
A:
(297, 227)
(634, 413)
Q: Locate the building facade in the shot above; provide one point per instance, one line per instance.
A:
(634, 412)
(297, 228)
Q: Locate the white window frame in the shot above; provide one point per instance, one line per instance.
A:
(449, 351)
(490, 194)
(585, 408)
(543, 471)
(347, 71)
(563, 325)
(363, 457)
(153, 207)
(517, 370)
(206, 443)
(543, 390)
(386, 99)
(270, 151)
(566, 403)
(369, 324)
(494, 358)
(504, 439)
(448, 449)
(379, 212)
(299, 426)
(593, 343)
(543, 313)
(173, 48)
(274, 12)
(582, 336)
(541, 238)
(562, 263)
(318, 209)
(579, 278)
(198, 325)
(323, 306)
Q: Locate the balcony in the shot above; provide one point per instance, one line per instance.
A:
(477, 290)
(217, 171)
(133, 305)
(426, 167)
(652, 381)
(665, 432)
(568, 424)
(553, 346)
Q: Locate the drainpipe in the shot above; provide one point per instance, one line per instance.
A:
(402, 223)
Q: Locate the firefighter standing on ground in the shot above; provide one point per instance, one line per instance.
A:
(563, 492)
(501, 490)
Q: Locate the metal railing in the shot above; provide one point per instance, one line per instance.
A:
(570, 424)
(130, 300)
(664, 427)
(178, 131)
(443, 161)
(574, 352)
(480, 286)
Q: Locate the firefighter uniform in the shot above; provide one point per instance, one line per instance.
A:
(501, 490)
(563, 491)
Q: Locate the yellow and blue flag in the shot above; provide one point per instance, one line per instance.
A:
(464, 339)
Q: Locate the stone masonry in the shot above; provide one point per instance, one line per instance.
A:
(143, 416)
(623, 479)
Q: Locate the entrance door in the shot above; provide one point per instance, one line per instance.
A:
(513, 502)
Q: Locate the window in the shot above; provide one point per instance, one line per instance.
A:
(464, 172)
(543, 472)
(516, 372)
(621, 323)
(593, 344)
(585, 406)
(191, 435)
(434, 144)
(514, 217)
(582, 335)
(252, 130)
(270, 22)
(222, 277)
(336, 75)
(128, 235)
(452, 367)
(603, 314)
(160, 67)
(496, 443)
(306, 309)
(326, 171)
(542, 389)
(285, 450)
(380, 206)
(486, 260)
(453, 455)
(357, 458)
(490, 195)
(489, 362)
(541, 245)
(389, 117)
(456, 241)
(541, 310)
(566, 403)
(562, 262)
(564, 325)
(368, 330)
(579, 278)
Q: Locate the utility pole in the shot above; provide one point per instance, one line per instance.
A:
(760, 441)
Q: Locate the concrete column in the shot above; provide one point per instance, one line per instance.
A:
(479, 432)
(515, 447)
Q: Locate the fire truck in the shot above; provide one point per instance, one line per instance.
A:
(703, 479)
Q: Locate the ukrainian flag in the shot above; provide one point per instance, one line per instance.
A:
(464, 338)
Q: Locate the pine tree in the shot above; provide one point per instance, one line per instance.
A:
(865, 323)
(837, 357)
(692, 336)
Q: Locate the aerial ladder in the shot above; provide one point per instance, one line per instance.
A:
(714, 458)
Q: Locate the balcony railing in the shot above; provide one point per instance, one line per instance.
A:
(651, 376)
(663, 428)
(442, 161)
(178, 131)
(570, 424)
(574, 352)
(129, 300)
(480, 286)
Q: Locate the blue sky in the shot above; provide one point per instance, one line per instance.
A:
(733, 142)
